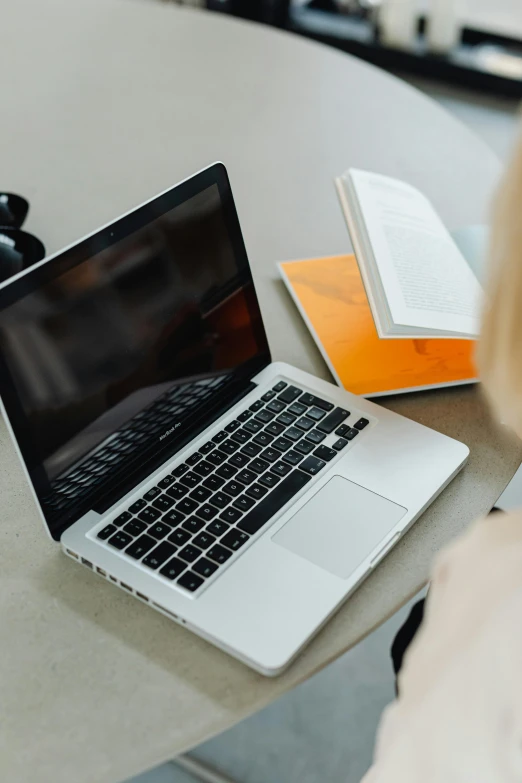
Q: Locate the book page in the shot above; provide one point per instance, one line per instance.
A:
(427, 282)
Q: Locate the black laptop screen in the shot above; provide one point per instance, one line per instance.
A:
(123, 352)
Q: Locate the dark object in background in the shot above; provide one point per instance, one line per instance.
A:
(18, 249)
(274, 12)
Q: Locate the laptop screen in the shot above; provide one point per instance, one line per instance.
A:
(122, 346)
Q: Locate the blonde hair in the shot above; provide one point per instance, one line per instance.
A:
(499, 353)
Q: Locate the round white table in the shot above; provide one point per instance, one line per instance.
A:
(104, 103)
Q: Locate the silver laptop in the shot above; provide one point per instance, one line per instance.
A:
(167, 453)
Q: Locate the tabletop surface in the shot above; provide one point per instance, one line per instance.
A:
(113, 101)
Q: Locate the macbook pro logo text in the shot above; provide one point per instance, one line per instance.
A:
(170, 431)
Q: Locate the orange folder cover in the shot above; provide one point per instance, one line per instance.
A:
(330, 296)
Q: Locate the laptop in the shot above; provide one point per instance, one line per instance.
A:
(240, 497)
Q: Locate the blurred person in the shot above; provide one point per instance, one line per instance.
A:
(458, 715)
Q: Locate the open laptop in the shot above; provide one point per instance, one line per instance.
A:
(241, 497)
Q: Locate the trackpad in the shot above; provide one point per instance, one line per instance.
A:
(339, 526)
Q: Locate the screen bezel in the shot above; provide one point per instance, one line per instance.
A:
(31, 279)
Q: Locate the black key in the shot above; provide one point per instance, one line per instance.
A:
(200, 494)
(312, 465)
(293, 433)
(316, 414)
(180, 470)
(263, 438)
(158, 556)
(297, 409)
(276, 406)
(194, 458)
(229, 447)
(253, 426)
(265, 416)
(220, 437)
(305, 424)
(352, 433)
(107, 532)
(186, 506)
(179, 537)
(178, 491)
(190, 581)
(315, 436)
(204, 468)
(324, 453)
(269, 480)
(343, 430)
(242, 436)
(256, 491)
(135, 528)
(218, 526)
(257, 405)
(219, 554)
(206, 512)
(268, 395)
(251, 450)
(280, 386)
(243, 503)
(270, 505)
(205, 567)
(235, 539)
(193, 525)
(233, 426)
(244, 416)
(217, 457)
(306, 399)
(320, 403)
(246, 476)
(172, 518)
(204, 540)
(282, 444)
(340, 444)
(290, 394)
(274, 428)
(159, 530)
(281, 468)
(137, 506)
(213, 482)
(190, 553)
(226, 471)
(190, 480)
(286, 419)
(149, 515)
(233, 488)
(239, 460)
(140, 547)
(152, 493)
(163, 503)
(207, 447)
(271, 455)
(166, 482)
(361, 424)
(259, 465)
(220, 499)
(230, 515)
(174, 568)
(293, 457)
(333, 420)
(124, 517)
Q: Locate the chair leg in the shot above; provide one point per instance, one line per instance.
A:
(201, 771)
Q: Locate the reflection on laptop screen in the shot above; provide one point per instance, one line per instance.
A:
(116, 354)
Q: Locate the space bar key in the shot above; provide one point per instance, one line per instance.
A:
(268, 507)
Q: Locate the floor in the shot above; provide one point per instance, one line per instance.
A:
(324, 730)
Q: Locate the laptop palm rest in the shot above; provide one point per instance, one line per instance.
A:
(339, 526)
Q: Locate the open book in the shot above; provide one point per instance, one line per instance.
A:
(418, 283)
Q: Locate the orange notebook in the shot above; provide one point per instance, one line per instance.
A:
(330, 296)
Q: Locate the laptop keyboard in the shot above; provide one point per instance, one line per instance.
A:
(192, 522)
